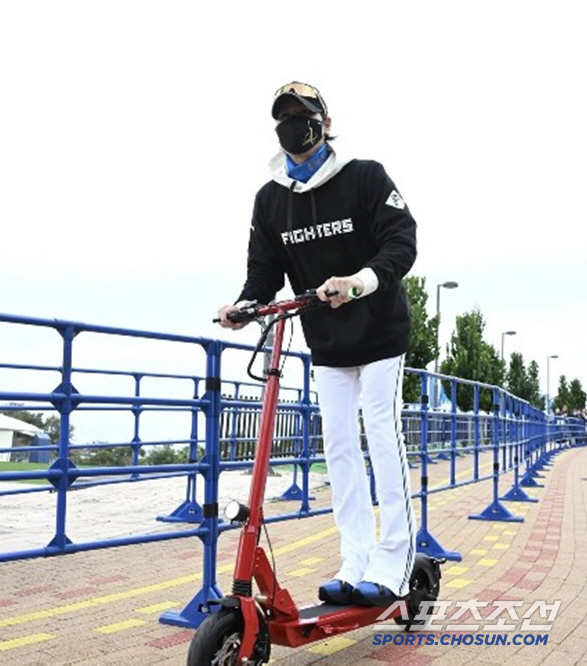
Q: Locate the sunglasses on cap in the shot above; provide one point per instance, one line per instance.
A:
(305, 93)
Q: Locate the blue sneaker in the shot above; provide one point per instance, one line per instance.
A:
(373, 594)
(336, 592)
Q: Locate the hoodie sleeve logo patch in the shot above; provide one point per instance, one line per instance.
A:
(318, 231)
(395, 200)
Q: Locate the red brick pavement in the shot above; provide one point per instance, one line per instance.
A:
(103, 607)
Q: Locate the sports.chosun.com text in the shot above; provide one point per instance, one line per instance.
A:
(415, 639)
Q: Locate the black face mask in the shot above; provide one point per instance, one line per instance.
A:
(297, 135)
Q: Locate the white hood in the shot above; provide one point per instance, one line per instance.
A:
(330, 168)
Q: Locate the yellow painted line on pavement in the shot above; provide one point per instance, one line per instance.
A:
(25, 640)
(98, 601)
(148, 589)
(460, 475)
(490, 538)
(157, 608)
(458, 583)
(119, 626)
(501, 546)
(295, 545)
(485, 562)
(332, 645)
(456, 570)
(312, 560)
(301, 572)
(478, 551)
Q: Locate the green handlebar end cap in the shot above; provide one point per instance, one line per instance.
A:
(354, 292)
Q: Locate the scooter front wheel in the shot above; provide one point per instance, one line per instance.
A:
(218, 640)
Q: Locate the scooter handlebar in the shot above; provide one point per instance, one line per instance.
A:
(252, 311)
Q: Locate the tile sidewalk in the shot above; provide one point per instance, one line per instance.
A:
(103, 607)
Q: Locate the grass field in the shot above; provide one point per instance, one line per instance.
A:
(319, 468)
(20, 466)
(23, 467)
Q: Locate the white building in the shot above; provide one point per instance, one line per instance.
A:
(9, 427)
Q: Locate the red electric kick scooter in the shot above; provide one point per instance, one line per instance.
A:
(242, 629)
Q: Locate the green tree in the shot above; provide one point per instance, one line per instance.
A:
(563, 397)
(534, 397)
(524, 382)
(423, 343)
(494, 370)
(517, 379)
(118, 456)
(577, 396)
(469, 356)
(166, 455)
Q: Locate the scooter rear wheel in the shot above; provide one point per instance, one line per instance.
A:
(218, 640)
(424, 586)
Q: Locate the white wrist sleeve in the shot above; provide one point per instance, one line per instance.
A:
(369, 279)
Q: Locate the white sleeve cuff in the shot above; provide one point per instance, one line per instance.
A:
(369, 279)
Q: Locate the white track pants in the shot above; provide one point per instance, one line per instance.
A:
(389, 560)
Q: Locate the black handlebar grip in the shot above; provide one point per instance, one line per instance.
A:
(235, 317)
(238, 316)
(241, 315)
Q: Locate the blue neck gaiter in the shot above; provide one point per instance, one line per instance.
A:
(304, 171)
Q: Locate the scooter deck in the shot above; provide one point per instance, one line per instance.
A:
(323, 612)
(321, 621)
(318, 610)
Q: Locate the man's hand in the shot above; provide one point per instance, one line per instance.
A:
(347, 288)
(223, 313)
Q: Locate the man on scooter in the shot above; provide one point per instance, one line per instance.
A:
(335, 223)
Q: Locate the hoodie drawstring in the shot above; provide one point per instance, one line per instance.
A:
(314, 209)
(290, 205)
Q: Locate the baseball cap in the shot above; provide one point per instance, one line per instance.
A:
(308, 95)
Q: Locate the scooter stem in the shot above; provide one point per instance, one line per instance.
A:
(243, 571)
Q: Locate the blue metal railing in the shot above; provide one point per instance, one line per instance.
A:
(223, 425)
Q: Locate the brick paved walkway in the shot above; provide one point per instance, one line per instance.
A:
(103, 607)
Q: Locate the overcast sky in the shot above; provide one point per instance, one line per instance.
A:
(134, 135)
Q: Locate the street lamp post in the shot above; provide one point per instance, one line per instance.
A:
(548, 382)
(447, 285)
(502, 337)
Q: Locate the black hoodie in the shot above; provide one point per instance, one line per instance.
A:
(347, 217)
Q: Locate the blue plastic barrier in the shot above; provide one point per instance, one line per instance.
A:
(221, 436)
